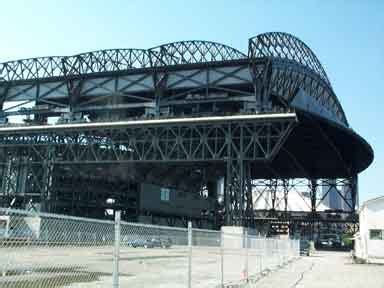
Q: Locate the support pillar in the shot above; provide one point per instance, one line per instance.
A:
(354, 192)
(273, 188)
(47, 180)
(238, 200)
(313, 197)
(261, 74)
(9, 177)
(15, 174)
(286, 190)
(248, 196)
(160, 84)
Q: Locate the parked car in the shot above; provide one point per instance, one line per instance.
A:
(329, 241)
(161, 243)
(149, 243)
(304, 247)
(145, 243)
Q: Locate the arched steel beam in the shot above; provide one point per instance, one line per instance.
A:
(110, 60)
(290, 54)
(114, 60)
(285, 46)
(195, 51)
(288, 76)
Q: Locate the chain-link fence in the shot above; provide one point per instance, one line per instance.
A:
(47, 250)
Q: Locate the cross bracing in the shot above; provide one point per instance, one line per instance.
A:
(277, 63)
(182, 114)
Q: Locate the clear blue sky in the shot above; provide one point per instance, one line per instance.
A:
(347, 36)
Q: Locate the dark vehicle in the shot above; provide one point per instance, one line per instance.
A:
(161, 243)
(149, 243)
(329, 241)
(304, 247)
(145, 243)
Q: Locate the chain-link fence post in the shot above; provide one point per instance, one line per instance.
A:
(222, 258)
(246, 255)
(298, 248)
(116, 252)
(189, 254)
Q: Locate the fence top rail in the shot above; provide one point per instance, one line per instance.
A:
(206, 230)
(154, 226)
(11, 211)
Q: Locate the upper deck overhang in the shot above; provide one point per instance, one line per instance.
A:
(279, 73)
(296, 144)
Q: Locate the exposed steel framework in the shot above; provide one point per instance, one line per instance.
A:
(117, 60)
(267, 114)
(285, 46)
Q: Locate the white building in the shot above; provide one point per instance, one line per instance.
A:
(369, 241)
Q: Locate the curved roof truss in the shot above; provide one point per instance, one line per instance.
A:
(285, 46)
(114, 60)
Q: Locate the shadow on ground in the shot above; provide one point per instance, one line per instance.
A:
(50, 277)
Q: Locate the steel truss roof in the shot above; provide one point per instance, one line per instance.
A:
(115, 60)
(293, 66)
(274, 44)
(286, 46)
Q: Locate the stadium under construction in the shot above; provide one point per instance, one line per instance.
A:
(191, 116)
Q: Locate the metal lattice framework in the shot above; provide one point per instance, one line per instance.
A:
(185, 104)
(313, 192)
(189, 52)
(161, 142)
(232, 140)
(292, 66)
(115, 60)
(295, 66)
(286, 46)
(86, 63)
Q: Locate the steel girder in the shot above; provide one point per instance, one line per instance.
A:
(252, 82)
(295, 66)
(278, 66)
(23, 180)
(235, 143)
(116, 60)
(285, 62)
(272, 194)
(151, 88)
(286, 46)
(270, 199)
(188, 52)
(249, 139)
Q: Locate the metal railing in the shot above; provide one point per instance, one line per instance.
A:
(48, 250)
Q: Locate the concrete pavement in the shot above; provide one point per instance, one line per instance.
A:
(324, 270)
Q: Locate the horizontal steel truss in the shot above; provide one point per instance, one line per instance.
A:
(246, 140)
(161, 88)
(29, 158)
